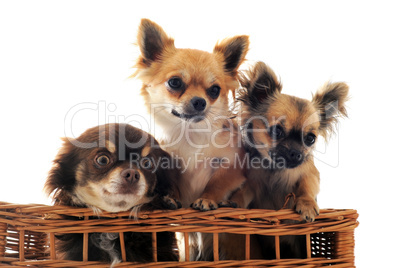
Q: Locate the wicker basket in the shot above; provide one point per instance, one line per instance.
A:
(27, 234)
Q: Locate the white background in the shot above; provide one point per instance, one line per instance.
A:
(55, 55)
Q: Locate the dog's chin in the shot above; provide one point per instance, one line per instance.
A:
(193, 118)
(122, 202)
(281, 163)
(118, 203)
(120, 189)
(113, 199)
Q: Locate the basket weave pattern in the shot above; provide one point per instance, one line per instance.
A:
(27, 234)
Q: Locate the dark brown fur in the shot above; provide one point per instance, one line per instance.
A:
(79, 178)
(289, 164)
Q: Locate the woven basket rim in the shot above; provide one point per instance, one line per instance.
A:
(238, 213)
(47, 218)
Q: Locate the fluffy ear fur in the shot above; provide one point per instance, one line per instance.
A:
(330, 103)
(260, 83)
(152, 41)
(234, 51)
(61, 178)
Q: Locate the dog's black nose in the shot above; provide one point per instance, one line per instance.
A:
(198, 103)
(130, 175)
(295, 155)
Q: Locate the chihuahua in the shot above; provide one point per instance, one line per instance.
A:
(186, 92)
(114, 167)
(279, 134)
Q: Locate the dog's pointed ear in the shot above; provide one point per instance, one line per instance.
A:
(260, 83)
(330, 103)
(152, 41)
(234, 52)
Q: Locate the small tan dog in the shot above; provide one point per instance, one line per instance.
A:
(186, 92)
(279, 133)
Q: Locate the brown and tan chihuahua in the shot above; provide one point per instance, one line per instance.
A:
(279, 134)
(114, 167)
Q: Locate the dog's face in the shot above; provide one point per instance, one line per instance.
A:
(283, 128)
(111, 167)
(287, 131)
(189, 85)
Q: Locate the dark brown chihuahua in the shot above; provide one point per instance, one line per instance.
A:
(114, 167)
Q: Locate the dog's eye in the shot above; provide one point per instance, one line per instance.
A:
(309, 139)
(146, 163)
(214, 91)
(276, 132)
(102, 160)
(175, 83)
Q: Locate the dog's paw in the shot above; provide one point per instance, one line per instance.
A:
(307, 208)
(227, 203)
(171, 203)
(204, 204)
